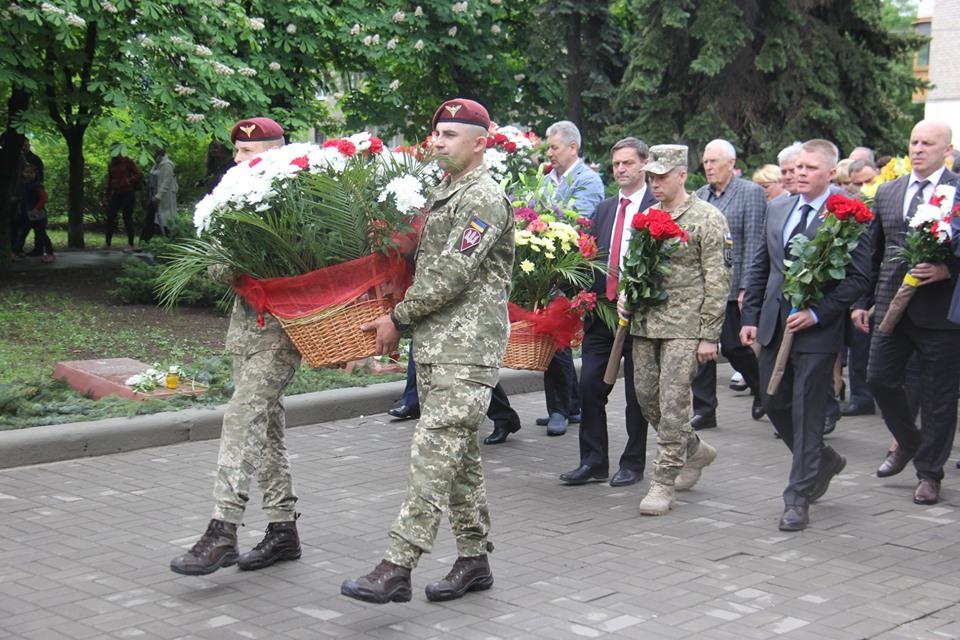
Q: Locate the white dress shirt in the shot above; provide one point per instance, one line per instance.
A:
(914, 184)
(632, 209)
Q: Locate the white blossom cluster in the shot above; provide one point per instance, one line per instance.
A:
(274, 66)
(194, 118)
(202, 51)
(222, 69)
(52, 9)
(74, 20)
(177, 40)
(452, 31)
(146, 42)
(391, 44)
(459, 7)
(291, 28)
(257, 24)
(355, 30)
(418, 12)
(399, 17)
(217, 103)
(247, 72)
(108, 6)
(182, 90)
(419, 45)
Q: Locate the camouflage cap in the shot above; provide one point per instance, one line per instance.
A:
(665, 157)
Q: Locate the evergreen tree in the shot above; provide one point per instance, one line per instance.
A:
(763, 74)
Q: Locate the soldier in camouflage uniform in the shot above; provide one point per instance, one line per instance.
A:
(251, 441)
(457, 309)
(673, 339)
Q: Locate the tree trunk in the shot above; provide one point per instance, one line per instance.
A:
(574, 72)
(74, 138)
(10, 172)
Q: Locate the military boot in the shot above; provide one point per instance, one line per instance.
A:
(280, 542)
(388, 582)
(216, 548)
(467, 574)
(690, 473)
(658, 501)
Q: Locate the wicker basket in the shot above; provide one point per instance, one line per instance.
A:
(527, 350)
(333, 336)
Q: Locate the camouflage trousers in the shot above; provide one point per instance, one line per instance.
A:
(445, 471)
(662, 372)
(251, 442)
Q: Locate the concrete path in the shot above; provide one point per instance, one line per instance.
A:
(86, 544)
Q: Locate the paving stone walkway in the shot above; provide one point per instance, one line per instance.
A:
(84, 546)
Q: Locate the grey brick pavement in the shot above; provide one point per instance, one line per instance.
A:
(86, 543)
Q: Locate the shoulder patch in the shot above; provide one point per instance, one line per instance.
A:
(472, 234)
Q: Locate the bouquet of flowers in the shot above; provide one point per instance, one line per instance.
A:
(306, 232)
(818, 263)
(510, 154)
(895, 168)
(929, 239)
(553, 270)
(654, 238)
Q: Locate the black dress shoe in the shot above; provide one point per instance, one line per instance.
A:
(500, 432)
(894, 463)
(795, 518)
(857, 410)
(830, 424)
(625, 477)
(831, 464)
(757, 411)
(703, 421)
(582, 475)
(927, 492)
(405, 412)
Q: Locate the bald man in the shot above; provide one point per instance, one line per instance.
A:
(924, 327)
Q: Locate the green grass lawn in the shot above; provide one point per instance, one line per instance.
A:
(43, 328)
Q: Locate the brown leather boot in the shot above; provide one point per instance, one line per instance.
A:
(216, 548)
(281, 542)
(388, 582)
(468, 574)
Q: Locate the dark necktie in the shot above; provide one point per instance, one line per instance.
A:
(917, 199)
(804, 214)
(613, 275)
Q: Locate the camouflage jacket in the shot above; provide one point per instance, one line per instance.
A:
(699, 280)
(457, 305)
(245, 338)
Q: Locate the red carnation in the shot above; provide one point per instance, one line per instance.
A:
(346, 147)
(301, 162)
(584, 223)
(936, 200)
(376, 145)
(332, 142)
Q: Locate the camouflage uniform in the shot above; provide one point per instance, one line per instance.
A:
(666, 336)
(457, 307)
(251, 442)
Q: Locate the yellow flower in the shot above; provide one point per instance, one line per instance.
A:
(526, 266)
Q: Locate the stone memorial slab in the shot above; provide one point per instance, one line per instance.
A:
(106, 377)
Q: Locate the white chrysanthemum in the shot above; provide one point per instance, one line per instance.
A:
(291, 28)
(391, 44)
(452, 31)
(944, 233)
(257, 24)
(419, 45)
(194, 118)
(925, 215)
(399, 17)
(407, 193)
(274, 66)
(74, 20)
(182, 90)
(202, 51)
(46, 7)
(217, 103)
(108, 6)
(496, 162)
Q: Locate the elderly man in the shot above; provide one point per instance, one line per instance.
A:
(571, 183)
(671, 340)
(861, 172)
(787, 159)
(457, 308)
(863, 153)
(251, 442)
(924, 328)
(798, 408)
(611, 227)
(744, 204)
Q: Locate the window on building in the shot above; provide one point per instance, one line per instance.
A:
(923, 53)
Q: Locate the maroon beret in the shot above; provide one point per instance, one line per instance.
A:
(463, 111)
(256, 130)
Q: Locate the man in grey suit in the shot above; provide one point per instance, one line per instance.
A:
(798, 407)
(924, 328)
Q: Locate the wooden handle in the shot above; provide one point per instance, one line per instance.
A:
(616, 353)
(780, 366)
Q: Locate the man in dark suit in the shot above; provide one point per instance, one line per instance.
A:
(924, 327)
(798, 407)
(610, 225)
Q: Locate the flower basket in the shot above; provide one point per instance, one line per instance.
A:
(332, 336)
(528, 350)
